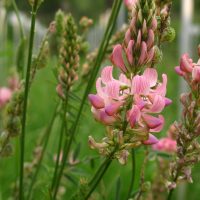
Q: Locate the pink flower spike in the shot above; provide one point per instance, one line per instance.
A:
(113, 108)
(150, 40)
(129, 52)
(160, 127)
(151, 75)
(143, 54)
(152, 140)
(106, 74)
(133, 115)
(152, 122)
(196, 74)
(96, 101)
(117, 58)
(179, 71)
(140, 85)
(186, 63)
(5, 95)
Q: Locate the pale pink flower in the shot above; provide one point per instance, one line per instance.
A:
(167, 145)
(130, 3)
(5, 95)
(111, 94)
(149, 98)
(188, 69)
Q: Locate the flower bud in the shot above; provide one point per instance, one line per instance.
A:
(168, 35)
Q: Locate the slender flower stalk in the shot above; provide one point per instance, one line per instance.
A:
(187, 131)
(66, 32)
(133, 174)
(26, 93)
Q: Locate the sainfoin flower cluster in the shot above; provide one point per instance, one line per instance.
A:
(130, 105)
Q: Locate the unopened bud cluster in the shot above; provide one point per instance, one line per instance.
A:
(68, 55)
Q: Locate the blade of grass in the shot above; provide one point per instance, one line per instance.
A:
(26, 93)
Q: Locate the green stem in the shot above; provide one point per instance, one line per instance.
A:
(64, 130)
(170, 194)
(96, 67)
(47, 136)
(133, 175)
(58, 157)
(100, 173)
(98, 179)
(26, 92)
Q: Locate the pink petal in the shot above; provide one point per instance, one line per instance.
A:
(151, 75)
(123, 79)
(96, 101)
(139, 102)
(99, 88)
(152, 122)
(133, 116)
(106, 74)
(160, 127)
(112, 89)
(129, 52)
(158, 104)
(140, 85)
(185, 64)
(152, 140)
(143, 54)
(161, 88)
(196, 73)
(117, 58)
(106, 119)
(179, 71)
(168, 101)
(96, 113)
(113, 108)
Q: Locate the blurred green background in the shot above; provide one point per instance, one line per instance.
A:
(43, 100)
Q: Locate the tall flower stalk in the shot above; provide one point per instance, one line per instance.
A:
(35, 5)
(187, 131)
